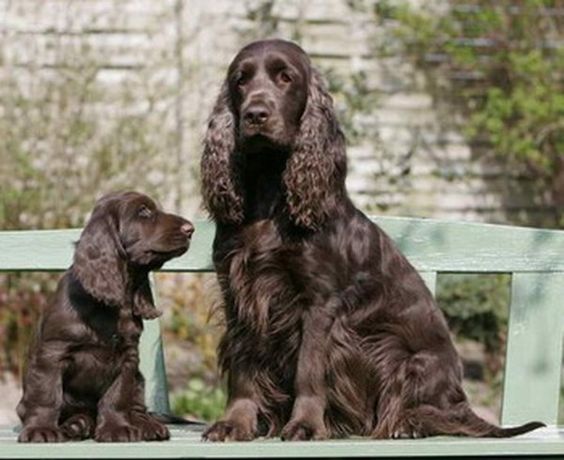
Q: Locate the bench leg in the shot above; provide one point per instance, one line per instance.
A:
(152, 364)
(534, 349)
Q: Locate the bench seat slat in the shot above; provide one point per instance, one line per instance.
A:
(52, 250)
(431, 245)
(152, 366)
(534, 348)
(186, 443)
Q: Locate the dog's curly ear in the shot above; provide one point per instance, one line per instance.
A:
(315, 174)
(99, 258)
(220, 173)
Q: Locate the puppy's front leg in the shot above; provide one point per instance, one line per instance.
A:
(151, 428)
(113, 423)
(307, 421)
(40, 406)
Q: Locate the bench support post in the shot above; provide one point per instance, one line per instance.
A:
(152, 363)
(534, 349)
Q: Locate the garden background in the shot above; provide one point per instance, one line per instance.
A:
(452, 109)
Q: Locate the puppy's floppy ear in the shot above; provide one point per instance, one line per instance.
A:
(143, 302)
(315, 174)
(220, 171)
(99, 257)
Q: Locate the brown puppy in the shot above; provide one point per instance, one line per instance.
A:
(82, 378)
(330, 330)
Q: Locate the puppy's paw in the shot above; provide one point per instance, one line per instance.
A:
(228, 431)
(78, 427)
(41, 434)
(119, 433)
(304, 430)
(152, 429)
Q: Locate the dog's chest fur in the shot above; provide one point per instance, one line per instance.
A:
(261, 272)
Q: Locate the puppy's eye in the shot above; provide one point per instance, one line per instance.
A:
(144, 212)
(285, 77)
(241, 80)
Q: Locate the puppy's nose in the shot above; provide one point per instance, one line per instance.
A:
(187, 229)
(256, 115)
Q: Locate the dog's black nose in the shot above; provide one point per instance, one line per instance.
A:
(187, 229)
(257, 115)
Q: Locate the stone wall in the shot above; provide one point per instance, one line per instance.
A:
(170, 57)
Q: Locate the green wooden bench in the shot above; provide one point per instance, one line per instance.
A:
(534, 257)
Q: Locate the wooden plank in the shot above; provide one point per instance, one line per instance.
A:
(152, 362)
(462, 247)
(152, 366)
(101, 50)
(186, 443)
(37, 250)
(430, 279)
(439, 198)
(534, 348)
(431, 245)
(430, 184)
(66, 16)
(52, 250)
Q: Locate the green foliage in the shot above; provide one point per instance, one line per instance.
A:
(353, 97)
(476, 307)
(53, 144)
(190, 316)
(66, 137)
(21, 299)
(200, 401)
(502, 64)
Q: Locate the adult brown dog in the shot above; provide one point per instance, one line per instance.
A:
(330, 330)
(82, 378)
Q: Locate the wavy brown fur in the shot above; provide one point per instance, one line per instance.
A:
(330, 330)
(82, 378)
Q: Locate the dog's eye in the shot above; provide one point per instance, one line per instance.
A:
(285, 77)
(144, 212)
(241, 80)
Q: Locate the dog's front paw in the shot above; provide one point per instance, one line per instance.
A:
(406, 428)
(406, 433)
(78, 427)
(152, 429)
(41, 434)
(228, 431)
(304, 430)
(118, 433)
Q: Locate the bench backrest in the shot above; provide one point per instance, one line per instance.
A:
(534, 258)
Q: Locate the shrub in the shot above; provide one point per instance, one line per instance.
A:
(501, 64)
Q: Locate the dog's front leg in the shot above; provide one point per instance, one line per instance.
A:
(113, 423)
(240, 420)
(307, 420)
(40, 406)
